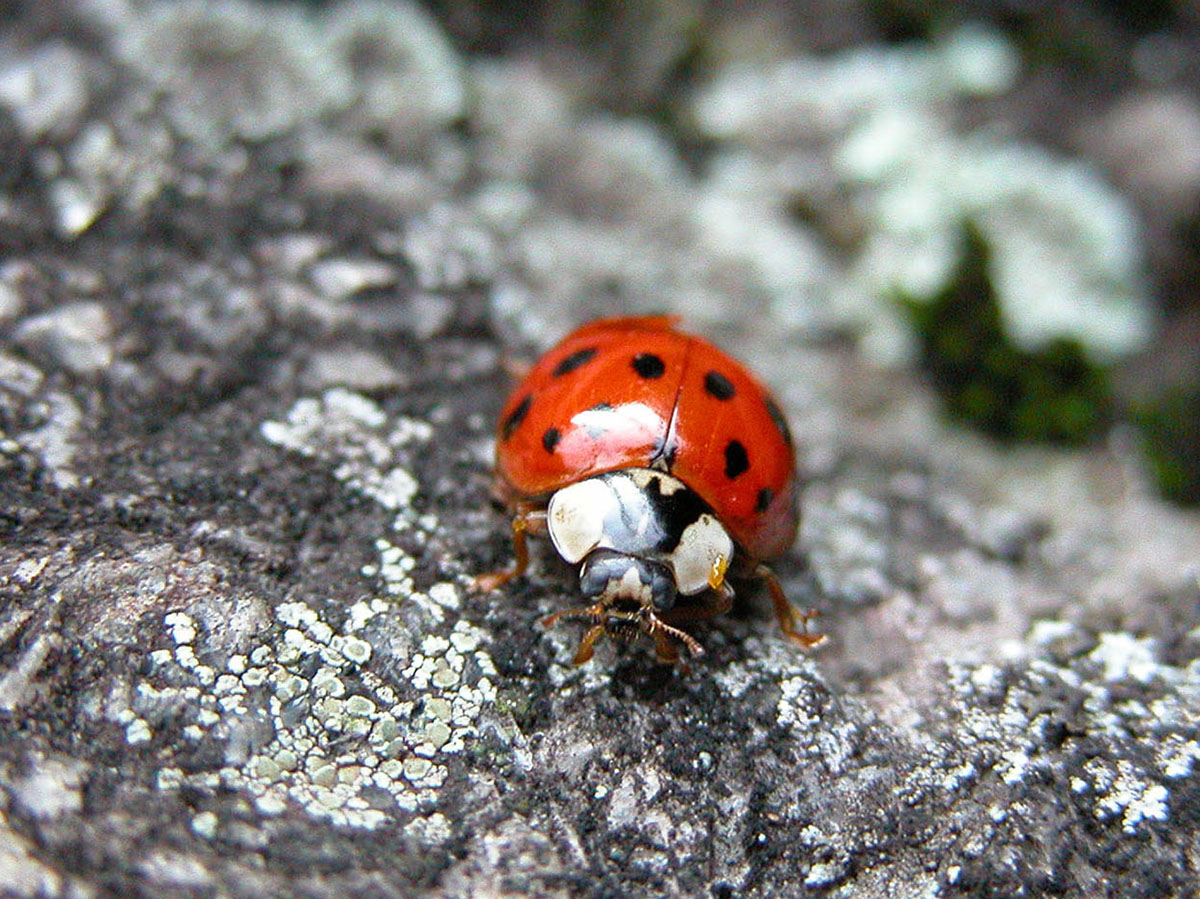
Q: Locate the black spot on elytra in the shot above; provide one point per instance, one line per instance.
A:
(780, 422)
(764, 499)
(718, 386)
(736, 460)
(648, 365)
(576, 360)
(516, 416)
(550, 439)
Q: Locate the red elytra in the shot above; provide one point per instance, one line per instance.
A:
(635, 392)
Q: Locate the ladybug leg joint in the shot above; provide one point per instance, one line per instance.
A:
(525, 520)
(792, 624)
(587, 645)
(666, 637)
(594, 611)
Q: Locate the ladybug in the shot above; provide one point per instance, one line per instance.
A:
(657, 464)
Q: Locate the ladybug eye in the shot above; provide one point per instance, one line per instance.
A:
(662, 589)
(596, 573)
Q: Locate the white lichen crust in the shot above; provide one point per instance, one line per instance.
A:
(307, 721)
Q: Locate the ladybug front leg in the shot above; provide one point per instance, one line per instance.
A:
(587, 646)
(527, 518)
(667, 640)
(666, 650)
(785, 614)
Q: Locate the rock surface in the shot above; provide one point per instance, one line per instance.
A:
(259, 288)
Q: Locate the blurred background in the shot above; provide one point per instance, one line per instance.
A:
(998, 197)
(1003, 194)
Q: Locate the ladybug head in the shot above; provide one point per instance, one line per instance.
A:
(628, 591)
(627, 582)
(642, 538)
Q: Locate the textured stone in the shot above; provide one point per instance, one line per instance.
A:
(245, 420)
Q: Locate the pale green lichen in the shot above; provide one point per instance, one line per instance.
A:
(875, 135)
(392, 747)
(339, 732)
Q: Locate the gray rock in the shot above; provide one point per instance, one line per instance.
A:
(244, 425)
(76, 338)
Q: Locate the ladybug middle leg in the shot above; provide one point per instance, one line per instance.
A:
(784, 613)
(528, 518)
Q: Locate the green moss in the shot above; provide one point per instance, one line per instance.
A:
(906, 20)
(1170, 428)
(1054, 394)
